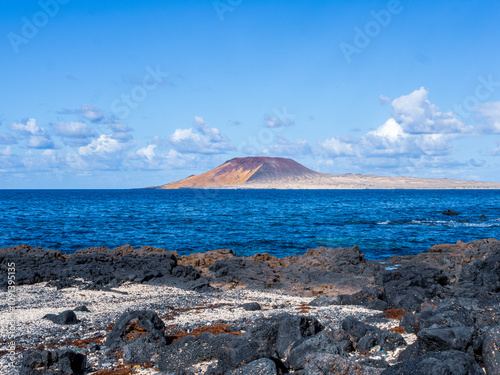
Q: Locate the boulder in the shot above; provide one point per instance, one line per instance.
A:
(66, 317)
(450, 362)
(323, 342)
(133, 325)
(324, 363)
(355, 328)
(295, 328)
(261, 366)
(444, 316)
(387, 341)
(446, 338)
(373, 298)
(241, 352)
(252, 306)
(491, 352)
(191, 350)
(44, 362)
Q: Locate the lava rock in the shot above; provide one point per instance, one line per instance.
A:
(373, 298)
(491, 354)
(186, 272)
(261, 366)
(355, 328)
(241, 352)
(252, 306)
(191, 350)
(446, 316)
(323, 342)
(450, 362)
(44, 362)
(446, 338)
(141, 351)
(66, 317)
(325, 301)
(323, 363)
(294, 328)
(200, 286)
(386, 340)
(132, 325)
(450, 213)
(409, 286)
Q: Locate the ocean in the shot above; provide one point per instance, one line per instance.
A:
(279, 222)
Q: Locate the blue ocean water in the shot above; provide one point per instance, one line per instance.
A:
(280, 222)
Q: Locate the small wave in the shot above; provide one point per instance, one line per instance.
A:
(384, 222)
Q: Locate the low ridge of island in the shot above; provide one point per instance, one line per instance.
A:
(282, 173)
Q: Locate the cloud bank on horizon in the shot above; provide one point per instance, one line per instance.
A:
(107, 100)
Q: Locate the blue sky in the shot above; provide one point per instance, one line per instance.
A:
(121, 94)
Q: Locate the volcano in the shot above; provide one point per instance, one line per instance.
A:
(249, 170)
(282, 173)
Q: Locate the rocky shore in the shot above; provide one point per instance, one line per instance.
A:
(330, 311)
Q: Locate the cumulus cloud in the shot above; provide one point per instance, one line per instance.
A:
(75, 133)
(202, 139)
(147, 152)
(277, 121)
(417, 115)
(417, 128)
(104, 146)
(37, 136)
(87, 111)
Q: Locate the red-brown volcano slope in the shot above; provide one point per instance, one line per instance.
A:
(241, 170)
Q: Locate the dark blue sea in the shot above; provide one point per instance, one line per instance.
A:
(279, 222)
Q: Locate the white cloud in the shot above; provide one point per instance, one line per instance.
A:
(384, 99)
(29, 128)
(37, 136)
(417, 128)
(91, 112)
(104, 146)
(202, 139)
(278, 120)
(73, 130)
(147, 152)
(336, 146)
(40, 141)
(417, 115)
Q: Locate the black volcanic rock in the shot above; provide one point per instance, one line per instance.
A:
(66, 317)
(450, 362)
(41, 362)
(145, 326)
